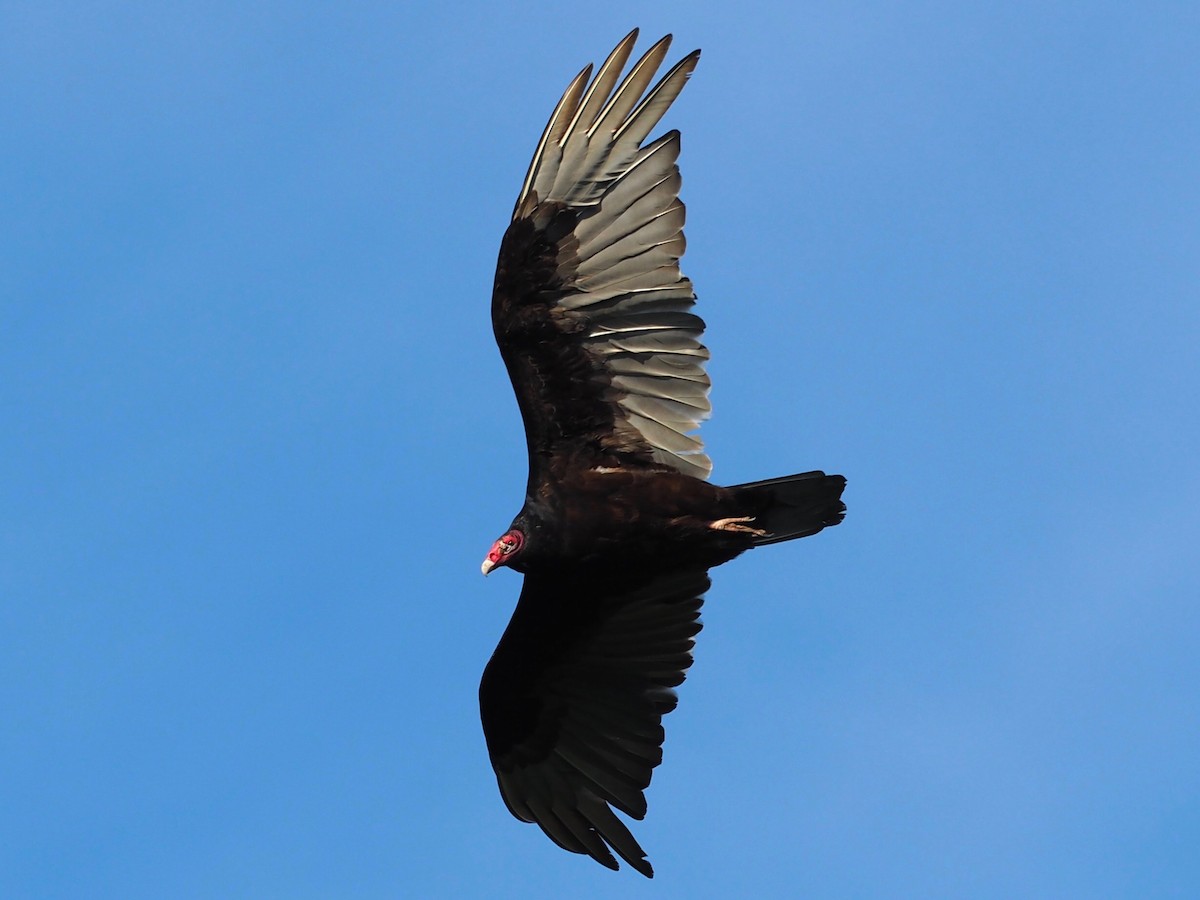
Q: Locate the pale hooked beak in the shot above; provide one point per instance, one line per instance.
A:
(487, 566)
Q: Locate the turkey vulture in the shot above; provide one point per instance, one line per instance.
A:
(620, 525)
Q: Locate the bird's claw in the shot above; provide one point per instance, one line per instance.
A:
(734, 523)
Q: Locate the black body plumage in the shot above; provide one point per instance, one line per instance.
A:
(620, 526)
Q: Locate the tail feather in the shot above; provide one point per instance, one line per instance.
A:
(794, 506)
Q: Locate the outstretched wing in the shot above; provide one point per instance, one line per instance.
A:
(573, 698)
(589, 308)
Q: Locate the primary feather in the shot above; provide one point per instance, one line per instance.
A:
(599, 227)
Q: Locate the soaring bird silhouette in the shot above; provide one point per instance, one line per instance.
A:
(620, 526)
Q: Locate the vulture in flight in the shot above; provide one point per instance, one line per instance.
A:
(620, 525)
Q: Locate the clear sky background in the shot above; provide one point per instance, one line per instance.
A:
(255, 439)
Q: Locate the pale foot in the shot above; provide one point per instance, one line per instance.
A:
(734, 523)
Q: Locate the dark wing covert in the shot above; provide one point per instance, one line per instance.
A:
(573, 698)
(589, 308)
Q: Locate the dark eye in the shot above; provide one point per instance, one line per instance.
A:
(506, 547)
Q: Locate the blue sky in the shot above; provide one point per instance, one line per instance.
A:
(257, 438)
